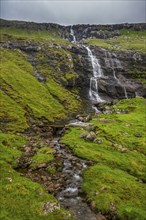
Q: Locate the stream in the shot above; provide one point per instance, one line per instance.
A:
(70, 195)
(66, 183)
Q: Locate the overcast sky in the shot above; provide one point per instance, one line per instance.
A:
(75, 11)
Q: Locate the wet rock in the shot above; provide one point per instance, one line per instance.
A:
(124, 150)
(83, 135)
(98, 140)
(93, 205)
(27, 149)
(100, 217)
(9, 179)
(43, 165)
(50, 207)
(91, 136)
(138, 135)
(86, 126)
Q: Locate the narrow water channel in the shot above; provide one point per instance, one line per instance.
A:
(70, 194)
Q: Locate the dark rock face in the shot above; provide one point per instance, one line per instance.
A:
(101, 31)
(117, 81)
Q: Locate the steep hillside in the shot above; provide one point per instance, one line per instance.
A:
(46, 80)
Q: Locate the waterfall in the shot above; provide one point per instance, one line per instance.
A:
(126, 96)
(112, 66)
(73, 35)
(114, 63)
(97, 73)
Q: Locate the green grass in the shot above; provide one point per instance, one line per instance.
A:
(13, 33)
(99, 42)
(129, 40)
(23, 96)
(11, 114)
(122, 154)
(44, 155)
(20, 197)
(23, 199)
(10, 147)
(66, 98)
(116, 192)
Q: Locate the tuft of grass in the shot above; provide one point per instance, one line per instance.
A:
(10, 147)
(44, 155)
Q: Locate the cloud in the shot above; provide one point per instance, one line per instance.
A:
(75, 11)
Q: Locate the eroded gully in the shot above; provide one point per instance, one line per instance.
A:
(70, 195)
(66, 183)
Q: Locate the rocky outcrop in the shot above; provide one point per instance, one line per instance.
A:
(82, 31)
(102, 31)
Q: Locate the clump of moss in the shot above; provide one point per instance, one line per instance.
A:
(44, 155)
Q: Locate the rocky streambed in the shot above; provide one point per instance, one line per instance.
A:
(64, 179)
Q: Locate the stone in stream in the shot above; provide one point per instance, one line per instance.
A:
(86, 126)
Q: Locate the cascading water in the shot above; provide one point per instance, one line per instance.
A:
(115, 63)
(97, 73)
(73, 35)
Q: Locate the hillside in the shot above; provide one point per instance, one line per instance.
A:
(47, 79)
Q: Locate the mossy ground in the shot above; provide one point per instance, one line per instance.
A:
(117, 177)
(23, 96)
(20, 197)
(128, 40)
(13, 33)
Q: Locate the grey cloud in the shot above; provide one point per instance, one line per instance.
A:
(74, 12)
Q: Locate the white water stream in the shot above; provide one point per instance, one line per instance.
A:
(73, 35)
(97, 74)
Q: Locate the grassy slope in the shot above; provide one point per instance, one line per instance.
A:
(24, 98)
(13, 33)
(20, 197)
(22, 91)
(129, 40)
(119, 160)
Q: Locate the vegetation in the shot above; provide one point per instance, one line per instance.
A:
(24, 97)
(44, 155)
(128, 40)
(120, 159)
(13, 33)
